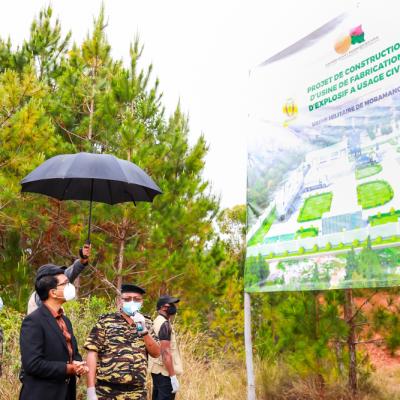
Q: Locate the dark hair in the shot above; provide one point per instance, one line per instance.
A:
(44, 285)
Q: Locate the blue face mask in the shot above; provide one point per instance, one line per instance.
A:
(131, 307)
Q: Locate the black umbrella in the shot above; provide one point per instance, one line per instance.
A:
(94, 177)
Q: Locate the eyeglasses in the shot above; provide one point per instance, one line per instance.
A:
(131, 298)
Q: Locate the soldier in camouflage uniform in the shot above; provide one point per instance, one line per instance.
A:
(118, 347)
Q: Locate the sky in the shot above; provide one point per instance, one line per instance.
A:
(201, 51)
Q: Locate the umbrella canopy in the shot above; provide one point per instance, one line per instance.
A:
(94, 177)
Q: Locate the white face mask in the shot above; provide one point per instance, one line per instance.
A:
(1, 304)
(131, 307)
(69, 292)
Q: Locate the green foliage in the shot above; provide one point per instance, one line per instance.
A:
(10, 323)
(46, 46)
(61, 98)
(295, 328)
(351, 264)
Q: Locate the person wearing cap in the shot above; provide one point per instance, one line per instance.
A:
(72, 272)
(118, 347)
(165, 368)
(49, 351)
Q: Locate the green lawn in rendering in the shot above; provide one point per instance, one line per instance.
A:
(258, 237)
(369, 170)
(374, 194)
(315, 206)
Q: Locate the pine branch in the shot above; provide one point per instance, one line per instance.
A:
(370, 341)
(362, 305)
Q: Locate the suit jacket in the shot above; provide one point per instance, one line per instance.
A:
(44, 355)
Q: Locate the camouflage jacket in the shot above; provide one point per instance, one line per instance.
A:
(121, 352)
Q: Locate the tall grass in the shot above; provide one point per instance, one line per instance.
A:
(210, 374)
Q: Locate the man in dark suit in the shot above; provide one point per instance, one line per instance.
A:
(49, 352)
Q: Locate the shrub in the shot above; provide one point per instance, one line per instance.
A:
(328, 246)
(315, 248)
(378, 239)
(302, 250)
(356, 242)
(392, 211)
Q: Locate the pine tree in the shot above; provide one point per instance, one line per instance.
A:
(351, 264)
(46, 47)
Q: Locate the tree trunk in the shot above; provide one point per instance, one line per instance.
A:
(120, 262)
(320, 378)
(91, 107)
(339, 357)
(351, 340)
(91, 114)
(121, 250)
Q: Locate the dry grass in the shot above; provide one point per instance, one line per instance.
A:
(210, 377)
(387, 379)
(216, 376)
(276, 382)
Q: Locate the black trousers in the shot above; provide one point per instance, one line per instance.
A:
(162, 388)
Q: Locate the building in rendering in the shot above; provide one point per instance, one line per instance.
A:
(332, 223)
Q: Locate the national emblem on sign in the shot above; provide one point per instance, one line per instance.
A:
(290, 108)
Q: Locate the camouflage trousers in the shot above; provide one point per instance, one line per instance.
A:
(113, 393)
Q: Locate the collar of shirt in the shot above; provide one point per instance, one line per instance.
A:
(56, 314)
(163, 315)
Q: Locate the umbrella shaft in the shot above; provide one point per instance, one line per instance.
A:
(90, 210)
